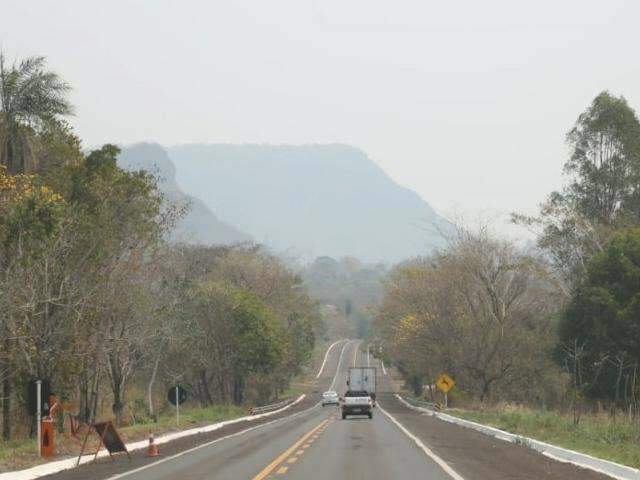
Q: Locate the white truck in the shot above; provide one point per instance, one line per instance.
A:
(360, 397)
(363, 379)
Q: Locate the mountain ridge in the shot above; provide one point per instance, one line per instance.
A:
(317, 199)
(199, 224)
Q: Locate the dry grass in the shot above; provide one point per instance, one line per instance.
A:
(599, 435)
(22, 453)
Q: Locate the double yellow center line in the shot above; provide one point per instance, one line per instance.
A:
(281, 458)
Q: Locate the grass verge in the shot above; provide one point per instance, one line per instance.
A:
(601, 436)
(22, 453)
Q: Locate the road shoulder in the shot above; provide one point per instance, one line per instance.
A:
(476, 456)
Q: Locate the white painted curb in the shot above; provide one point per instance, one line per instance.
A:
(60, 465)
(612, 469)
(326, 355)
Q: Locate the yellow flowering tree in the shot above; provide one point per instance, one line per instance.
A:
(31, 216)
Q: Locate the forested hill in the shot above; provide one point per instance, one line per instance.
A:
(200, 225)
(310, 200)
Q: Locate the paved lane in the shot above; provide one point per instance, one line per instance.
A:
(315, 443)
(356, 448)
(359, 448)
(238, 457)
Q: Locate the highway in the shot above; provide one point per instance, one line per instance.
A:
(311, 442)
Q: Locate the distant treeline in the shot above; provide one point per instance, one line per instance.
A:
(558, 324)
(348, 290)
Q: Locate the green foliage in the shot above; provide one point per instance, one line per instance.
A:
(252, 332)
(34, 219)
(603, 315)
(31, 94)
(603, 191)
(30, 99)
(598, 435)
(346, 288)
(481, 310)
(248, 328)
(92, 295)
(31, 213)
(605, 161)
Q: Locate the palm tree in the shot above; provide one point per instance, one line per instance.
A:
(30, 98)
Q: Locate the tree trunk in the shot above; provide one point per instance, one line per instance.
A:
(486, 389)
(222, 388)
(238, 390)
(618, 380)
(206, 393)
(118, 406)
(152, 381)
(6, 407)
(416, 385)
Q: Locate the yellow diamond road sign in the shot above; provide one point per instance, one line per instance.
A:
(445, 382)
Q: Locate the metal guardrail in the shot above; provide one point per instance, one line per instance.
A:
(270, 408)
(416, 402)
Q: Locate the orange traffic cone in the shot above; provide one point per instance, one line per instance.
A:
(152, 451)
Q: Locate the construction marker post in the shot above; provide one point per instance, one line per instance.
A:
(39, 414)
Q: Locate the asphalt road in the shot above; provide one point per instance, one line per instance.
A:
(315, 443)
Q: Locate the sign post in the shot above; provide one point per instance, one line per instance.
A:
(176, 396)
(445, 383)
(177, 408)
(39, 413)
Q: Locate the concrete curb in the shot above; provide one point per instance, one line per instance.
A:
(326, 355)
(612, 469)
(60, 465)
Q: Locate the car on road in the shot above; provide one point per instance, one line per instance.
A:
(356, 402)
(330, 398)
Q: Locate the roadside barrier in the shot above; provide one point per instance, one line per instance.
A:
(612, 469)
(269, 408)
(416, 402)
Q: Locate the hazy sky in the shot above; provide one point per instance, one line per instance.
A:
(467, 102)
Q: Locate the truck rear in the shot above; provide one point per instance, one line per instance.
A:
(363, 379)
(356, 402)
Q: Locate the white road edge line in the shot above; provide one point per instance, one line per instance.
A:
(69, 464)
(582, 460)
(444, 465)
(335, 377)
(58, 466)
(355, 353)
(326, 355)
(204, 445)
(208, 444)
(50, 468)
